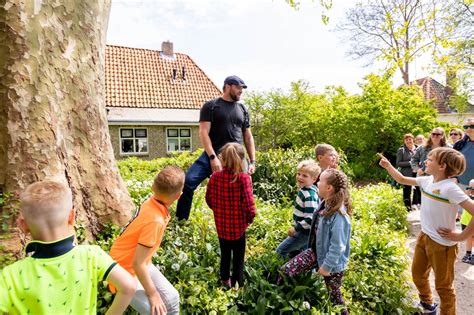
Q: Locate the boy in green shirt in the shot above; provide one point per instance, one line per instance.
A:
(59, 277)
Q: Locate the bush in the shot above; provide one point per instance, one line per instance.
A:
(275, 176)
(375, 282)
(359, 125)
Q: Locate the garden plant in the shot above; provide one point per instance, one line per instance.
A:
(377, 280)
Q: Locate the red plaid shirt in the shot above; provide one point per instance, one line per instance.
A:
(231, 202)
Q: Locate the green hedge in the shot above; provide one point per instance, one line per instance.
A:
(375, 282)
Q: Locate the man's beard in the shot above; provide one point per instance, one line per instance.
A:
(234, 97)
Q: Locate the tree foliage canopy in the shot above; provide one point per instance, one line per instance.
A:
(359, 125)
(397, 32)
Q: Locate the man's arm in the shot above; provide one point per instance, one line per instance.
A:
(396, 174)
(204, 128)
(125, 285)
(250, 146)
(141, 270)
(451, 235)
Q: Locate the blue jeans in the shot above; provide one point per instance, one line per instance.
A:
(293, 243)
(199, 171)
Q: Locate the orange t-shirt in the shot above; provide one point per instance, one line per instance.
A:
(146, 228)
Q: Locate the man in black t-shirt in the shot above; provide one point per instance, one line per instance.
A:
(221, 121)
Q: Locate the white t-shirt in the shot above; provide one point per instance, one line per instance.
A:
(439, 204)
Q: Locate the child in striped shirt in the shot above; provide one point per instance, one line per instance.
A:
(306, 203)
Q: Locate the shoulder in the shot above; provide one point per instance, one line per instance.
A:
(13, 270)
(209, 104)
(242, 106)
(308, 192)
(424, 180)
(90, 250)
(342, 218)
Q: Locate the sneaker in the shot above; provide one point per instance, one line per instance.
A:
(471, 260)
(226, 284)
(426, 308)
(467, 258)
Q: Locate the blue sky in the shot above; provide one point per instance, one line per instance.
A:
(265, 42)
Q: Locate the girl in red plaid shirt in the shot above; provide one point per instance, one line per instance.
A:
(229, 195)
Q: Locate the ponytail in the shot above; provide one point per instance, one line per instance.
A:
(341, 197)
(232, 156)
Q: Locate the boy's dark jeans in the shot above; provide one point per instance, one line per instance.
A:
(234, 250)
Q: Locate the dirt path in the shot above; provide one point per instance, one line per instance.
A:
(464, 280)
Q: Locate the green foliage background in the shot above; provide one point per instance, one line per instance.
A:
(358, 125)
(375, 282)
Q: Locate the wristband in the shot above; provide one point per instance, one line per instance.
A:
(252, 163)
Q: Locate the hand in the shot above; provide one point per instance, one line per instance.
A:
(216, 165)
(450, 234)
(323, 272)
(420, 172)
(157, 307)
(251, 169)
(383, 161)
(291, 232)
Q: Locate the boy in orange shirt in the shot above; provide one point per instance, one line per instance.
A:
(141, 238)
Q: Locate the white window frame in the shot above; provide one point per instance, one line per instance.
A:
(179, 137)
(134, 138)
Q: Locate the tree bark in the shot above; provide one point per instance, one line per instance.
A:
(52, 107)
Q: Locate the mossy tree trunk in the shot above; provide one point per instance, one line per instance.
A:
(52, 107)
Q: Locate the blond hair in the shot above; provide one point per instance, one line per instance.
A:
(408, 135)
(232, 156)
(454, 160)
(341, 196)
(168, 181)
(46, 203)
(322, 149)
(309, 166)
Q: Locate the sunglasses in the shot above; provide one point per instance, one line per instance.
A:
(468, 126)
(436, 134)
(454, 134)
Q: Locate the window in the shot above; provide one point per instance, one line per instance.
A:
(133, 141)
(178, 139)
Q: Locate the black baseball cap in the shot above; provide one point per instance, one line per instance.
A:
(235, 80)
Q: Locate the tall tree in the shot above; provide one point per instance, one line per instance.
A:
(393, 31)
(52, 107)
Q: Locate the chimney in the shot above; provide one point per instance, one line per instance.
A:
(167, 49)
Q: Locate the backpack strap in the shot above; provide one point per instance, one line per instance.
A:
(213, 106)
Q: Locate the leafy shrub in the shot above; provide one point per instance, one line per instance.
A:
(380, 204)
(376, 280)
(275, 176)
(359, 125)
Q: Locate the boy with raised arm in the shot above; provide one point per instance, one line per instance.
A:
(436, 246)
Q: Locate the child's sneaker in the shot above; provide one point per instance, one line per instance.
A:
(471, 260)
(227, 284)
(467, 258)
(426, 308)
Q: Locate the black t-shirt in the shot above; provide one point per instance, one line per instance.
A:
(228, 121)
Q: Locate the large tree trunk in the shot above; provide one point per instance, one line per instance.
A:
(52, 109)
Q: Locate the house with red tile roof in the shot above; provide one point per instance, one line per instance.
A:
(435, 92)
(438, 94)
(153, 100)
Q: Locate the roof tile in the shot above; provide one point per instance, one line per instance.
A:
(142, 78)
